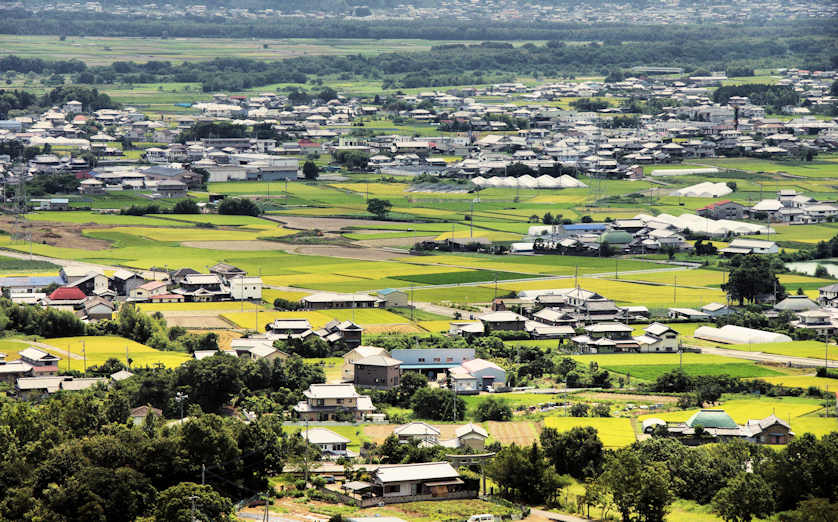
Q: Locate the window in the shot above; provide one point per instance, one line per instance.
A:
(421, 359)
(340, 401)
(436, 359)
(393, 489)
(449, 359)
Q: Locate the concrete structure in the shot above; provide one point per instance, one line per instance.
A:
(246, 288)
(326, 301)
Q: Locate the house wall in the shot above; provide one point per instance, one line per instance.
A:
(377, 376)
(472, 441)
(240, 290)
(395, 299)
(490, 373)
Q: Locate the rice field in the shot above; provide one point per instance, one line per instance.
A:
(614, 432)
(786, 408)
(199, 307)
(257, 319)
(100, 349)
(804, 381)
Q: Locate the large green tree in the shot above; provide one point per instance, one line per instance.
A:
(752, 276)
(746, 496)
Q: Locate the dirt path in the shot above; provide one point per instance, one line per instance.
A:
(328, 224)
(770, 357)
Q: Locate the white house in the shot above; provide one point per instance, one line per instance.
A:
(330, 443)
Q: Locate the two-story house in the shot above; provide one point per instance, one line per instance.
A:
(328, 402)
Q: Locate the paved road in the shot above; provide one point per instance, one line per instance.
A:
(769, 357)
(249, 515)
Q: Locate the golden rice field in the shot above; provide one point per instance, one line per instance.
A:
(743, 409)
(614, 432)
(623, 292)
(804, 381)
(100, 349)
(257, 319)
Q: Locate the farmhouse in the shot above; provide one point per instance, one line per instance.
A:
(148, 290)
(688, 314)
(420, 481)
(725, 209)
(486, 373)
(245, 288)
(418, 431)
(502, 321)
(828, 295)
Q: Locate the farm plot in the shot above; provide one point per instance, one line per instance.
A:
(817, 426)
(460, 277)
(626, 292)
(257, 319)
(812, 349)
(804, 381)
(365, 316)
(98, 218)
(614, 432)
(223, 306)
(100, 349)
(650, 372)
(743, 409)
(521, 433)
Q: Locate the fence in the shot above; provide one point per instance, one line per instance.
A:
(375, 501)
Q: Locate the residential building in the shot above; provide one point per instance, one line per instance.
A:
(462, 382)
(356, 354)
(139, 415)
(725, 209)
(37, 357)
(816, 320)
(202, 288)
(487, 373)
(506, 321)
(418, 431)
(326, 402)
(828, 295)
(717, 426)
(377, 371)
(124, 281)
(147, 290)
(420, 481)
(346, 332)
(431, 361)
(331, 444)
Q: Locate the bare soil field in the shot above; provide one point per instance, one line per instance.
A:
(627, 397)
(55, 234)
(393, 328)
(521, 433)
(378, 432)
(199, 322)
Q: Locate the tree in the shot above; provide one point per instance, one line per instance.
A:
(580, 409)
(577, 452)
(493, 409)
(746, 496)
(379, 207)
(437, 404)
(186, 206)
(751, 277)
(310, 170)
(239, 207)
(642, 490)
(175, 504)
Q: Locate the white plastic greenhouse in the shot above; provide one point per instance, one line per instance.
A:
(731, 334)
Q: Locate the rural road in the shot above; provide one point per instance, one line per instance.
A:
(769, 357)
(49, 347)
(540, 514)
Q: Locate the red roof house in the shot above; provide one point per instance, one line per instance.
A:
(67, 294)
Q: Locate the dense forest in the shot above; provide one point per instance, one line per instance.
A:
(456, 63)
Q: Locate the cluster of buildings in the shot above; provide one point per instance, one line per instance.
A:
(713, 425)
(91, 294)
(374, 367)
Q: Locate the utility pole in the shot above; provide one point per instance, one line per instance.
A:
(305, 454)
(203, 474)
(84, 354)
(411, 302)
(179, 398)
(192, 499)
(675, 292)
